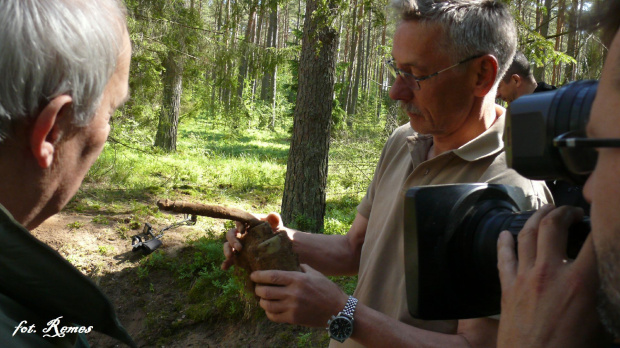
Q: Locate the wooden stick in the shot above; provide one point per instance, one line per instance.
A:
(214, 211)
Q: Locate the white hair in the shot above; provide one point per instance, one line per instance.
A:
(54, 47)
(472, 27)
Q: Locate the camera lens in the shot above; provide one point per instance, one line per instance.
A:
(533, 121)
(451, 247)
(483, 248)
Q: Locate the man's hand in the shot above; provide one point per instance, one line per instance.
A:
(233, 244)
(547, 299)
(308, 298)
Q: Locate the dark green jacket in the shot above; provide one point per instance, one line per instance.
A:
(39, 287)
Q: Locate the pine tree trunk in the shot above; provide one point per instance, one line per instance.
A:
(571, 44)
(166, 137)
(381, 78)
(268, 82)
(346, 97)
(358, 71)
(558, 40)
(539, 71)
(245, 49)
(365, 75)
(303, 202)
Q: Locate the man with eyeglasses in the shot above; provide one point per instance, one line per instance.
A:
(448, 58)
(549, 300)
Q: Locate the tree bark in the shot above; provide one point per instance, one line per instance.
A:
(166, 137)
(267, 90)
(303, 202)
(571, 44)
(539, 71)
(352, 101)
(558, 40)
(250, 31)
(346, 92)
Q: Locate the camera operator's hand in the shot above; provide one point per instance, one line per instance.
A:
(233, 244)
(547, 299)
(307, 298)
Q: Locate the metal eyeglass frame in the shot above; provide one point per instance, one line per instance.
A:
(577, 139)
(415, 83)
(578, 153)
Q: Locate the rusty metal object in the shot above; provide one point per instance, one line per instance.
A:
(262, 248)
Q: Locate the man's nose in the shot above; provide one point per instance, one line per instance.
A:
(400, 90)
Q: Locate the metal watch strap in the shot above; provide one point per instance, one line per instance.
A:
(349, 308)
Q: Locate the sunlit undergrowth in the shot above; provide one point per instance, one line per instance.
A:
(245, 170)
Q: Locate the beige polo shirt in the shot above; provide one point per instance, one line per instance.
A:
(381, 282)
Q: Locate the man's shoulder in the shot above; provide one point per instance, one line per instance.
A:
(403, 131)
(406, 133)
(398, 137)
(544, 87)
(535, 192)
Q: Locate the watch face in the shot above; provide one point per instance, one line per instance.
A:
(341, 328)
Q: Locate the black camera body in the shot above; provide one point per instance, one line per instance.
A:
(535, 120)
(444, 276)
(451, 231)
(453, 274)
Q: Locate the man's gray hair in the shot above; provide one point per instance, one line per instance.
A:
(471, 27)
(53, 47)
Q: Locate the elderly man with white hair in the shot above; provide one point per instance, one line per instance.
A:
(65, 69)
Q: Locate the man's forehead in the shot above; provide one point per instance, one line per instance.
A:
(428, 40)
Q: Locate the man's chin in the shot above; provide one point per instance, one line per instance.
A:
(417, 123)
(609, 312)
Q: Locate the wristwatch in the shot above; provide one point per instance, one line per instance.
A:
(340, 327)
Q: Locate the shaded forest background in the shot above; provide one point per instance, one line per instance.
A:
(240, 65)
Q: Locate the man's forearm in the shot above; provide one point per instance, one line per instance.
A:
(328, 254)
(374, 329)
(331, 254)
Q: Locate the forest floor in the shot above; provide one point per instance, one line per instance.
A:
(153, 308)
(178, 296)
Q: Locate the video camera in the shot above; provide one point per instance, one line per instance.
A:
(451, 241)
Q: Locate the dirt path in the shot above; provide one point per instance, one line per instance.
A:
(153, 311)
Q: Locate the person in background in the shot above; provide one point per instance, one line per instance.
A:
(549, 300)
(446, 81)
(65, 69)
(519, 80)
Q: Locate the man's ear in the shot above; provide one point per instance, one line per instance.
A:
(486, 73)
(517, 79)
(46, 130)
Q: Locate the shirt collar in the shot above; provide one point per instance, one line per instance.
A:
(486, 144)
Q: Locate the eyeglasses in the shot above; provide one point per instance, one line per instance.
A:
(413, 81)
(577, 150)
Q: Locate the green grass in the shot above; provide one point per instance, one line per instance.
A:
(211, 165)
(75, 225)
